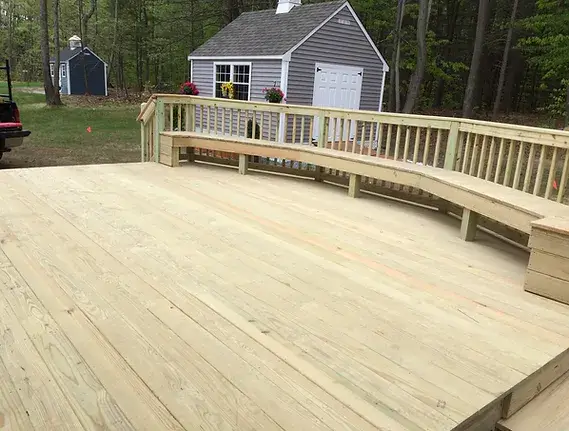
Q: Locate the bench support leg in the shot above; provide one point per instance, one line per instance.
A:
(468, 225)
(175, 157)
(243, 164)
(318, 173)
(354, 186)
(190, 154)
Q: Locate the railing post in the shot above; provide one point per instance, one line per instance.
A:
(452, 146)
(143, 137)
(159, 115)
(322, 138)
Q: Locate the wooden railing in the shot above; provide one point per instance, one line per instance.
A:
(529, 159)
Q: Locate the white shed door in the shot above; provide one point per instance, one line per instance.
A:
(337, 86)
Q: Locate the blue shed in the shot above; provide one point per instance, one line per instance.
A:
(73, 63)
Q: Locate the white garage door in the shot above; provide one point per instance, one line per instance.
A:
(337, 86)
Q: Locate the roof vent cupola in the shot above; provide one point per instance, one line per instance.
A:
(285, 6)
(74, 42)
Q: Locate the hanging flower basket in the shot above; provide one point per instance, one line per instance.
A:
(274, 95)
(189, 88)
(228, 90)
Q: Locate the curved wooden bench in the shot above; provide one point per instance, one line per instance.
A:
(546, 222)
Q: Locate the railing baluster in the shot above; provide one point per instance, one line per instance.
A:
(537, 185)
(180, 116)
(417, 143)
(362, 136)
(310, 129)
(388, 142)
(187, 111)
(407, 140)
(397, 141)
(261, 125)
(552, 171)
(490, 159)
(518, 171)
(427, 145)
(437, 148)
(482, 157)
(509, 163)
(341, 123)
(215, 115)
(372, 132)
(529, 167)
(500, 159)
(334, 126)
(564, 174)
(355, 140)
(171, 125)
(302, 125)
(270, 126)
(474, 156)
(255, 127)
(466, 153)
(379, 139)
(294, 128)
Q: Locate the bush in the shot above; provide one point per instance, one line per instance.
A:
(250, 130)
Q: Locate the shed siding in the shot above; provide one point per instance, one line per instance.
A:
(264, 73)
(335, 43)
(95, 75)
(202, 76)
(62, 81)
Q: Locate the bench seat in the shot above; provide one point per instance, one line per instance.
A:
(546, 222)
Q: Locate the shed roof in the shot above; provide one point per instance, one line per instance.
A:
(67, 54)
(265, 33)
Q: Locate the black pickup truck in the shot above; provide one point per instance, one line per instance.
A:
(12, 133)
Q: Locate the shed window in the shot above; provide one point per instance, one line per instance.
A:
(239, 74)
(63, 71)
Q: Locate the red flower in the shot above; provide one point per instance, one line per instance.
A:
(189, 88)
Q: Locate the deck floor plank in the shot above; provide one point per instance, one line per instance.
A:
(92, 404)
(44, 401)
(279, 301)
(172, 369)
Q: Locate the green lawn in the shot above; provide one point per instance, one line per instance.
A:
(60, 136)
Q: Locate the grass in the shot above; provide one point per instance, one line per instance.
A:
(60, 136)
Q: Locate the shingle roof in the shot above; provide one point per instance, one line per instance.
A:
(265, 32)
(66, 54)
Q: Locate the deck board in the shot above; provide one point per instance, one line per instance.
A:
(265, 302)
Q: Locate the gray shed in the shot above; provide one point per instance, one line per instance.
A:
(318, 54)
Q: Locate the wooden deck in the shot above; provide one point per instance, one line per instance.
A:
(148, 298)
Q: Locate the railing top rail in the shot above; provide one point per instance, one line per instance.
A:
(149, 105)
(514, 132)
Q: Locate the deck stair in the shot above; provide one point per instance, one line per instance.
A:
(548, 411)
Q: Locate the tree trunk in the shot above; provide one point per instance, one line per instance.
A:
(51, 98)
(395, 95)
(81, 35)
(85, 20)
(567, 107)
(468, 106)
(504, 65)
(417, 77)
(57, 66)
